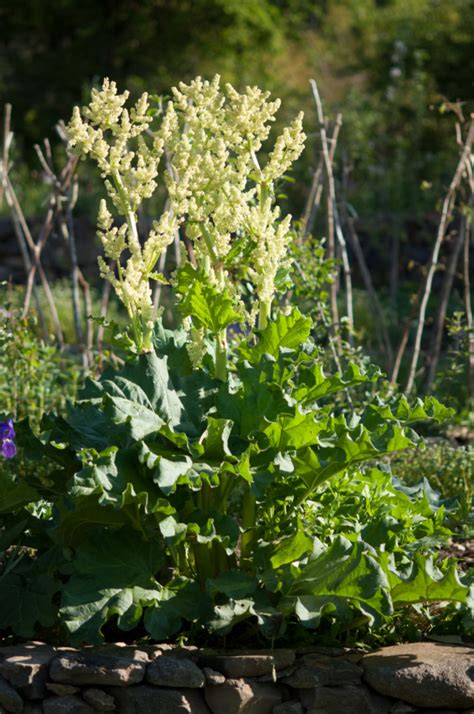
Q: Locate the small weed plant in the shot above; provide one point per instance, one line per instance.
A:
(187, 498)
(446, 466)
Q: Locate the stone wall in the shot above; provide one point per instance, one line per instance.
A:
(160, 679)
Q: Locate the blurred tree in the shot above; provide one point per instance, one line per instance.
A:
(52, 50)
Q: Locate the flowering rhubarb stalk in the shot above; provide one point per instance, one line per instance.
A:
(219, 195)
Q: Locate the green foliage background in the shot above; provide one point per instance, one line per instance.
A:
(51, 52)
(388, 65)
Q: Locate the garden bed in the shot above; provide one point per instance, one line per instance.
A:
(463, 550)
(162, 679)
(222, 483)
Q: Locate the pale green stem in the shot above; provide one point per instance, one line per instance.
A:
(147, 344)
(133, 319)
(221, 356)
(208, 241)
(221, 338)
(264, 314)
(141, 332)
(125, 301)
(249, 516)
(264, 307)
(128, 212)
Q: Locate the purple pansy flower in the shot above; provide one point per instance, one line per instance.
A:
(7, 435)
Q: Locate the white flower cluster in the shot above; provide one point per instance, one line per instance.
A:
(105, 133)
(271, 246)
(216, 186)
(196, 347)
(215, 182)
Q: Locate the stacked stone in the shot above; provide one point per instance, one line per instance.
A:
(159, 679)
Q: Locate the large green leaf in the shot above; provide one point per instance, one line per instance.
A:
(141, 420)
(229, 614)
(311, 609)
(426, 583)
(146, 380)
(118, 479)
(26, 601)
(313, 383)
(286, 332)
(339, 445)
(399, 409)
(14, 493)
(291, 548)
(233, 583)
(181, 599)
(254, 403)
(208, 307)
(110, 576)
(73, 521)
(215, 440)
(346, 570)
(294, 432)
(27, 589)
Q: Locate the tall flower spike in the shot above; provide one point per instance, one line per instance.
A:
(214, 178)
(216, 187)
(115, 138)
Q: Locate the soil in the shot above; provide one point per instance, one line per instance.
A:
(463, 550)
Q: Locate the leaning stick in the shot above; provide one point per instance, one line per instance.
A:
(314, 198)
(445, 215)
(333, 216)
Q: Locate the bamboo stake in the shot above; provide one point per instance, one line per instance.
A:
(4, 167)
(60, 196)
(314, 198)
(334, 224)
(7, 140)
(405, 336)
(35, 249)
(445, 215)
(382, 333)
(435, 349)
(468, 302)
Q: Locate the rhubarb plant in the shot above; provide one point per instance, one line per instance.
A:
(184, 498)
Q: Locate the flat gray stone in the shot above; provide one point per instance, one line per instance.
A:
(99, 700)
(443, 711)
(317, 670)
(33, 708)
(195, 701)
(328, 651)
(276, 675)
(66, 705)
(339, 700)
(426, 674)
(240, 696)
(145, 699)
(169, 671)
(9, 697)
(252, 664)
(154, 651)
(288, 708)
(402, 708)
(79, 668)
(119, 649)
(61, 690)
(212, 677)
(25, 667)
